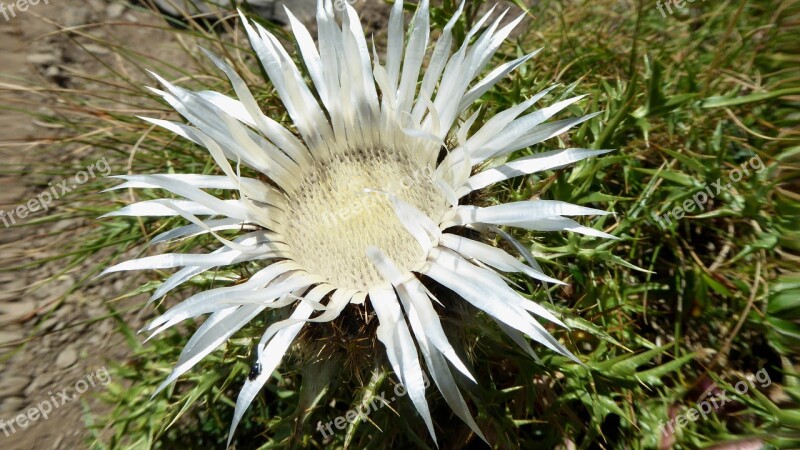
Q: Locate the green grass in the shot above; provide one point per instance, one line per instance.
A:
(659, 316)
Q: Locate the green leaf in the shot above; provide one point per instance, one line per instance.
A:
(785, 303)
(724, 101)
(653, 376)
(672, 175)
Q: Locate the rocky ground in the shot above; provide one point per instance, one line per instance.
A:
(52, 336)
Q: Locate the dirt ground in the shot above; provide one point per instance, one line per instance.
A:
(52, 338)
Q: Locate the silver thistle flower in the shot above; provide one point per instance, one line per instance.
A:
(361, 201)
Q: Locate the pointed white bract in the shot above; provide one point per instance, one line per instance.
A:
(360, 199)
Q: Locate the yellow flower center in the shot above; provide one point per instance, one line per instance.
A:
(340, 209)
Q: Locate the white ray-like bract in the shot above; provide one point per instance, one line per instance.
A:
(361, 197)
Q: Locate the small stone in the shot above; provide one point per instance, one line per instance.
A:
(75, 17)
(115, 10)
(95, 340)
(96, 49)
(16, 310)
(43, 59)
(271, 10)
(55, 289)
(7, 337)
(8, 297)
(13, 404)
(7, 277)
(47, 342)
(64, 225)
(38, 384)
(67, 358)
(52, 72)
(14, 386)
(49, 324)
